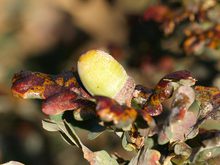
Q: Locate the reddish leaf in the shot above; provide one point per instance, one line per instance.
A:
(34, 85)
(66, 79)
(28, 84)
(69, 81)
(60, 102)
(178, 76)
(110, 111)
(164, 90)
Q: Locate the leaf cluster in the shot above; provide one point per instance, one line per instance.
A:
(160, 124)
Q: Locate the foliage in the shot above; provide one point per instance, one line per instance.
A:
(198, 21)
(174, 122)
(160, 124)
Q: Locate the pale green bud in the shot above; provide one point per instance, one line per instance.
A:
(102, 75)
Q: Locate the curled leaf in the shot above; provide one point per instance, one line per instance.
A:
(28, 84)
(60, 102)
(110, 111)
(183, 77)
(59, 91)
(164, 90)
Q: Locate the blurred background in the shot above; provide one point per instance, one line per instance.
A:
(150, 38)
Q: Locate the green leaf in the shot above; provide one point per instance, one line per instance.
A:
(65, 130)
(207, 154)
(69, 131)
(148, 142)
(69, 135)
(102, 157)
(49, 125)
(210, 124)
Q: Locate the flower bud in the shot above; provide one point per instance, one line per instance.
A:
(102, 75)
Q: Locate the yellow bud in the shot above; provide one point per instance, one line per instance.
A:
(101, 74)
